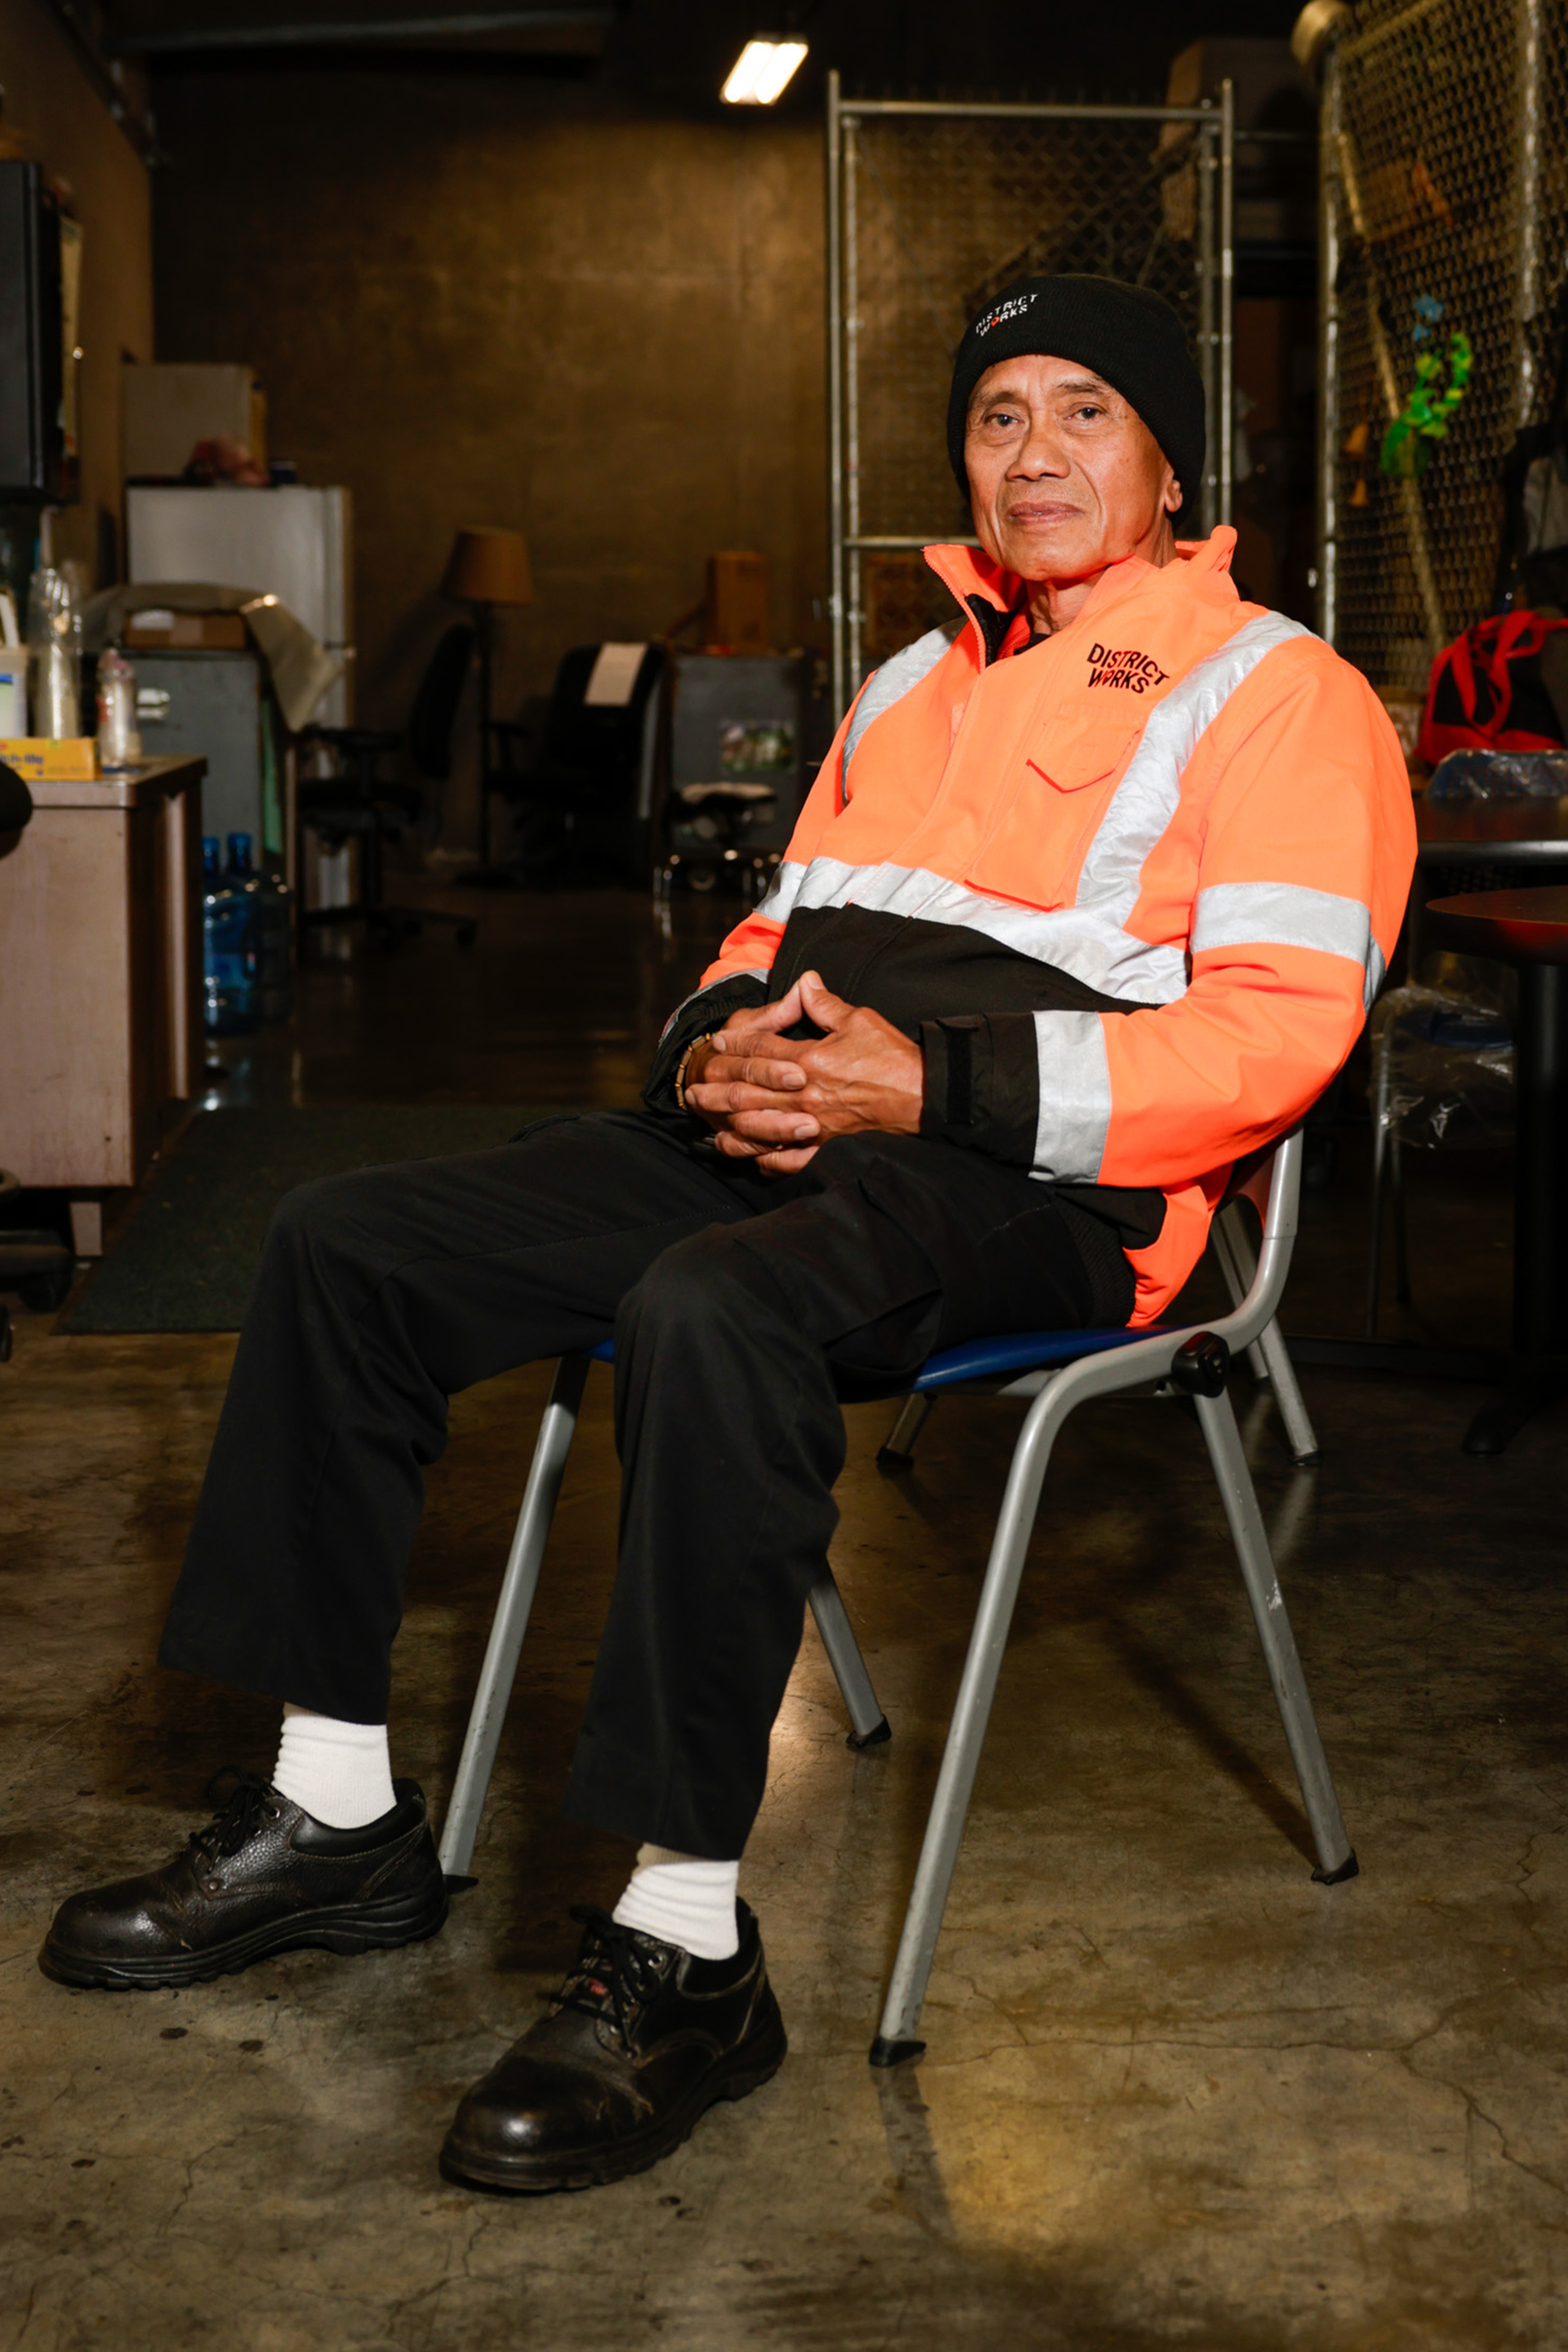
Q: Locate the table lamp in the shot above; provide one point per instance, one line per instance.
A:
(487, 568)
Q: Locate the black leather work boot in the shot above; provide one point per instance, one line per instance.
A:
(263, 1877)
(641, 2039)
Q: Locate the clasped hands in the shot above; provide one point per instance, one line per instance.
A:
(777, 1099)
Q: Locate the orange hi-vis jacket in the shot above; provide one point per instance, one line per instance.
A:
(1132, 886)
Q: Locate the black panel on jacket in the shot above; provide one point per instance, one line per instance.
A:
(966, 1000)
(910, 970)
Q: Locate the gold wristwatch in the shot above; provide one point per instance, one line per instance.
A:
(680, 1069)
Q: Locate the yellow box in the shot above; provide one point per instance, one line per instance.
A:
(49, 760)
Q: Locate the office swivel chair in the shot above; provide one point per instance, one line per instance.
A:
(358, 802)
(38, 1265)
(583, 802)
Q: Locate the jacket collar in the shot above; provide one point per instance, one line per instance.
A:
(991, 596)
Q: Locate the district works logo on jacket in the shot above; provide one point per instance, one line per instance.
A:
(1124, 666)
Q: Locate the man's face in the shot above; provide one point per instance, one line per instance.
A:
(1064, 476)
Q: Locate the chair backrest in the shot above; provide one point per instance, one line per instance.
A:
(434, 711)
(600, 742)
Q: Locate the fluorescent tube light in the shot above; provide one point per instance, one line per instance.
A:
(761, 71)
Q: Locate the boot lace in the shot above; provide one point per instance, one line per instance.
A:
(242, 1806)
(616, 1971)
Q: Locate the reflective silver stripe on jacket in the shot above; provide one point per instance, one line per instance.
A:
(1146, 799)
(1107, 957)
(782, 891)
(1075, 1097)
(1288, 914)
(889, 685)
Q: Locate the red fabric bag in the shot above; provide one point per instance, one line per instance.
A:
(1487, 693)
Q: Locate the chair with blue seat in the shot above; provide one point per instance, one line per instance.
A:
(1267, 1355)
(1055, 1371)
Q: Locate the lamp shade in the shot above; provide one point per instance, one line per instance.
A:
(488, 567)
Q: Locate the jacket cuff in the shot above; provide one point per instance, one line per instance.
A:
(983, 1084)
(700, 1014)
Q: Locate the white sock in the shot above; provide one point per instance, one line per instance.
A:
(683, 1900)
(340, 1773)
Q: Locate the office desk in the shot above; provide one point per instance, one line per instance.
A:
(100, 977)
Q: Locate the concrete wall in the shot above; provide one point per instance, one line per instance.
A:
(55, 111)
(496, 300)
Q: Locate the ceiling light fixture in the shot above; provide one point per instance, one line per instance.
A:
(763, 70)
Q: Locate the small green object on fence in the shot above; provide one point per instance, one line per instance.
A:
(1422, 421)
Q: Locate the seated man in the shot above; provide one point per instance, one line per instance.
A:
(1088, 899)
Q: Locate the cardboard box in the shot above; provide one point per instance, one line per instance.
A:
(169, 407)
(213, 633)
(49, 760)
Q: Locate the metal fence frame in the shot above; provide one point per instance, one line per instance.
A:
(1214, 123)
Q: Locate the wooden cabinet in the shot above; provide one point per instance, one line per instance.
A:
(100, 973)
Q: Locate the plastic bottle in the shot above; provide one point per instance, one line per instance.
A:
(271, 906)
(229, 939)
(54, 639)
(275, 948)
(13, 665)
(119, 737)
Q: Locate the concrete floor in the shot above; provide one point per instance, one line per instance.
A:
(1177, 2094)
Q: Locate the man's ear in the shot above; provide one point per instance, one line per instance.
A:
(1172, 499)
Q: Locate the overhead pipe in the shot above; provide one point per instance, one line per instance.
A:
(351, 32)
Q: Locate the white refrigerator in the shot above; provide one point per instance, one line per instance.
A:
(294, 543)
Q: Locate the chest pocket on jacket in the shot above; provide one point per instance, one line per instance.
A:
(1051, 810)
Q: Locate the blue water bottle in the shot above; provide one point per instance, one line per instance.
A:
(228, 940)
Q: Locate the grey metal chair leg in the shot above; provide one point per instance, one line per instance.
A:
(1268, 1355)
(871, 1726)
(966, 1735)
(1227, 1239)
(898, 1449)
(1336, 1858)
(1299, 1431)
(499, 1672)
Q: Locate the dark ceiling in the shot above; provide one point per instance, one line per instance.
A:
(678, 51)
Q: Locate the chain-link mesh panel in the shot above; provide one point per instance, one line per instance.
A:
(1448, 167)
(939, 213)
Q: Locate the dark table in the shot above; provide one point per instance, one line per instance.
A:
(1530, 929)
(1531, 830)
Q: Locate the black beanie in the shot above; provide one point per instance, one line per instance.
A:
(1126, 334)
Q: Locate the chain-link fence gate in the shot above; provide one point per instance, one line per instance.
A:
(1444, 239)
(931, 208)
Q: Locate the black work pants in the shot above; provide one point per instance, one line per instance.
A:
(741, 1308)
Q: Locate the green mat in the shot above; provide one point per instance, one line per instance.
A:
(186, 1259)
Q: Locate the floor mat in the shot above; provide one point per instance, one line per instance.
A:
(186, 1259)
